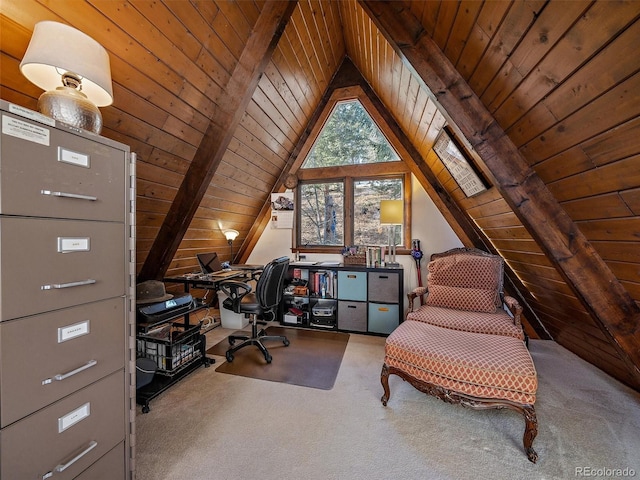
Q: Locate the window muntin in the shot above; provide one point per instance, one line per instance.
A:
(325, 206)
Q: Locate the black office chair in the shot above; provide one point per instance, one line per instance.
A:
(263, 303)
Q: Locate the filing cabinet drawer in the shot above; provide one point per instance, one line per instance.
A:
(77, 178)
(352, 286)
(383, 287)
(48, 356)
(51, 264)
(83, 426)
(109, 467)
(352, 316)
(383, 318)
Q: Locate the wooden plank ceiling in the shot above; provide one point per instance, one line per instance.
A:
(559, 78)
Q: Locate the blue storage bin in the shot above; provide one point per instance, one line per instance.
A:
(383, 317)
(352, 286)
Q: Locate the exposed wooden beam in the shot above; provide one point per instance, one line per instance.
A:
(231, 107)
(559, 237)
(458, 219)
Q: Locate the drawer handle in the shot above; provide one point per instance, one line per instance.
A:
(352, 276)
(63, 376)
(383, 276)
(58, 286)
(63, 466)
(383, 309)
(69, 195)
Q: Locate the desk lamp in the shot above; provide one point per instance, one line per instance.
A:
(231, 235)
(391, 214)
(74, 71)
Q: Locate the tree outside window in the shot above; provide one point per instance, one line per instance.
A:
(349, 137)
(322, 214)
(366, 210)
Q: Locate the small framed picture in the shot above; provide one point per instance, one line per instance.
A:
(458, 164)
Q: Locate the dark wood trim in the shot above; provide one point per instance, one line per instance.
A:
(564, 244)
(231, 107)
(447, 395)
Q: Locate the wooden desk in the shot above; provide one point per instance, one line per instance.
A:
(212, 280)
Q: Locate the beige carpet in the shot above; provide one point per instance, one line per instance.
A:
(312, 358)
(216, 426)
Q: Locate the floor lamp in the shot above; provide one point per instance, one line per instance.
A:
(231, 235)
(391, 214)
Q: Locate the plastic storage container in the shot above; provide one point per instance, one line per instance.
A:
(229, 319)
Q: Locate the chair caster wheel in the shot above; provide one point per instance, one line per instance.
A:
(268, 358)
(146, 409)
(286, 342)
(232, 342)
(229, 356)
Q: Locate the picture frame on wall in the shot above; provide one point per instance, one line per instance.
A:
(458, 163)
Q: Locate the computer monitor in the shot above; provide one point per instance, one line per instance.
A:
(209, 262)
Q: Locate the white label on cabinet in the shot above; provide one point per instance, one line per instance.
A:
(74, 158)
(25, 130)
(71, 418)
(73, 331)
(30, 114)
(74, 244)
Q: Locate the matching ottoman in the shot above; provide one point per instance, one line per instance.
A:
(475, 370)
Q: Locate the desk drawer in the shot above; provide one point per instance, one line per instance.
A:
(383, 287)
(38, 277)
(89, 422)
(80, 178)
(33, 350)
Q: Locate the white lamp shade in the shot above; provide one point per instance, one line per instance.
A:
(391, 212)
(56, 48)
(231, 234)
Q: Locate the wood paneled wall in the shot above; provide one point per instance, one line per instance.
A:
(567, 97)
(560, 77)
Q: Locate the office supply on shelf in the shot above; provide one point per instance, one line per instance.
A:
(163, 311)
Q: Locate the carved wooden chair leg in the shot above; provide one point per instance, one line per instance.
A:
(384, 379)
(530, 432)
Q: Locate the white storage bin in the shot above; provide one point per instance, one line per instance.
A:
(228, 318)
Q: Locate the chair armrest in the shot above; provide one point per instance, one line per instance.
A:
(235, 290)
(417, 292)
(515, 308)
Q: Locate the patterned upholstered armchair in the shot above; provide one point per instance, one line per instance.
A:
(462, 345)
(465, 292)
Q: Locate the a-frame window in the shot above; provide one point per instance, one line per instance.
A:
(339, 202)
(349, 137)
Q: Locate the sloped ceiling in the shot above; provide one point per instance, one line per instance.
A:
(559, 78)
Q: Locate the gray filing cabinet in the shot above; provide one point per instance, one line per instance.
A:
(67, 247)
